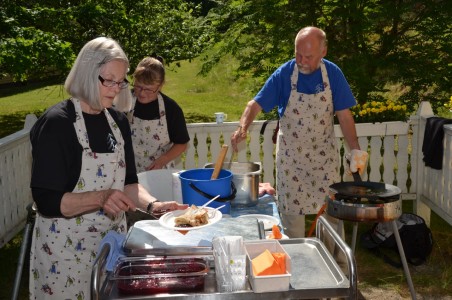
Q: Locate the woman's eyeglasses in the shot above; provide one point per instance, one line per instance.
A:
(139, 89)
(111, 83)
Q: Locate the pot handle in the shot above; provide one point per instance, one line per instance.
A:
(224, 199)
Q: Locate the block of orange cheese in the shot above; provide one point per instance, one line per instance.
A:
(265, 264)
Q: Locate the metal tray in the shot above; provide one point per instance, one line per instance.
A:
(150, 238)
(312, 266)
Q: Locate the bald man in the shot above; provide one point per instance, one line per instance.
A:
(307, 91)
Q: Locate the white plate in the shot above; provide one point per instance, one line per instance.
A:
(167, 220)
(268, 221)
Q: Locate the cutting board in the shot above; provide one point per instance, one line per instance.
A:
(149, 237)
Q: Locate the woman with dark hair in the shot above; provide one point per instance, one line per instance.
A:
(83, 173)
(159, 131)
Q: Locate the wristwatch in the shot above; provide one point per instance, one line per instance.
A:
(150, 206)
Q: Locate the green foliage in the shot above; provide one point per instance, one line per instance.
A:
(167, 28)
(374, 42)
(34, 54)
(42, 36)
(446, 110)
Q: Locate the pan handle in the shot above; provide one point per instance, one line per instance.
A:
(356, 176)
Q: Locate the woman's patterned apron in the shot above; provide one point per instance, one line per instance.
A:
(150, 138)
(307, 159)
(63, 250)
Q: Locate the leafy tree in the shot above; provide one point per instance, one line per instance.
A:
(41, 38)
(168, 28)
(27, 52)
(374, 42)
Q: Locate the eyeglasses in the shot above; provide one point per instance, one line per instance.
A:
(111, 83)
(139, 89)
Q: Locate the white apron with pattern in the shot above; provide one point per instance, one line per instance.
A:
(307, 159)
(64, 250)
(150, 137)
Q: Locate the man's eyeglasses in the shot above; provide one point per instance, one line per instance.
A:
(111, 83)
(139, 89)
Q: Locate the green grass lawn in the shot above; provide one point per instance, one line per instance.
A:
(200, 97)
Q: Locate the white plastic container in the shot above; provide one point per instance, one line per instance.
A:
(267, 283)
(163, 184)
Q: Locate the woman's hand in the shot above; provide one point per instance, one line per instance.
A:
(160, 208)
(167, 206)
(156, 165)
(114, 202)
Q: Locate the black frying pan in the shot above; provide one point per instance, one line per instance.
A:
(364, 189)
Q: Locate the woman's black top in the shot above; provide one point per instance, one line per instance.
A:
(57, 153)
(175, 120)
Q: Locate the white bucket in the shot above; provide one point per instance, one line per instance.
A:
(163, 184)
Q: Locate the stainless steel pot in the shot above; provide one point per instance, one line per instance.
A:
(246, 178)
(377, 207)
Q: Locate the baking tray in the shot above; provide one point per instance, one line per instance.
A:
(150, 238)
(315, 274)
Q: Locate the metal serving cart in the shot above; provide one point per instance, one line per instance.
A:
(315, 273)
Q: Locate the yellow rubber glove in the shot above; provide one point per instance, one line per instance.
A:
(358, 161)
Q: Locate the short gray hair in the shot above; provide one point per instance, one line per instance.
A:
(314, 31)
(83, 79)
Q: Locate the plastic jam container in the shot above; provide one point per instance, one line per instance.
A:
(146, 276)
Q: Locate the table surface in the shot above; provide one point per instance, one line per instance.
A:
(266, 206)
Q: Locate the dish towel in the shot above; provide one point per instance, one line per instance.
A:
(115, 240)
(432, 146)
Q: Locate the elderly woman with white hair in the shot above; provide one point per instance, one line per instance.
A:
(83, 173)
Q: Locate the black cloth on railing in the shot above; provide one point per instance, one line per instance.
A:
(432, 146)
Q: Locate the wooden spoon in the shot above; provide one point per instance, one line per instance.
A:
(219, 163)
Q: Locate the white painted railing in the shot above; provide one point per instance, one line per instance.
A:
(15, 171)
(394, 147)
(373, 137)
(434, 189)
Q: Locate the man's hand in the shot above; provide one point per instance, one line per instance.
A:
(236, 137)
(358, 161)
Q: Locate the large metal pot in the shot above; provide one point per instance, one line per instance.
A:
(364, 201)
(246, 178)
